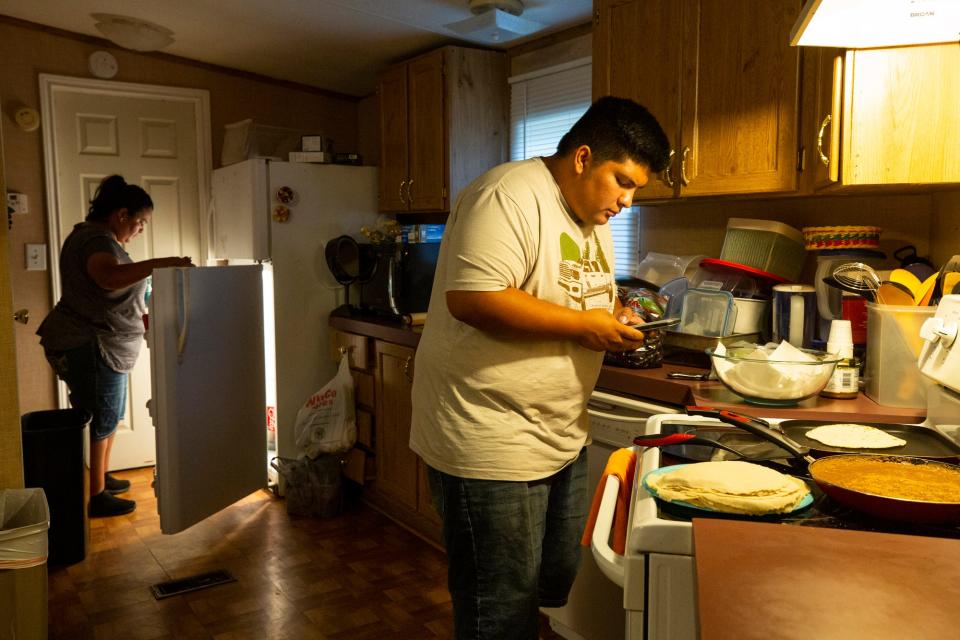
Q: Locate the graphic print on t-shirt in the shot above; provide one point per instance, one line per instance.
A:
(585, 273)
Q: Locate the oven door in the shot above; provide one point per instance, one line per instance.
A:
(595, 608)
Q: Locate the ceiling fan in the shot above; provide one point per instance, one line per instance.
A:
(495, 21)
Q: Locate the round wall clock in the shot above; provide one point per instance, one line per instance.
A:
(102, 64)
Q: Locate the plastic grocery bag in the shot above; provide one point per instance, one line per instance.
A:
(327, 421)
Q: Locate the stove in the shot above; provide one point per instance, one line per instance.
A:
(657, 571)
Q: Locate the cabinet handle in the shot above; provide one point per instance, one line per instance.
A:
(409, 188)
(683, 166)
(400, 191)
(668, 172)
(408, 369)
(823, 126)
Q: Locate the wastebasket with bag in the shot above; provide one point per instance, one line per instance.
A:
(324, 430)
(24, 521)
(53, 461)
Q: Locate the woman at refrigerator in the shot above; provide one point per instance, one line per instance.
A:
(93, 334)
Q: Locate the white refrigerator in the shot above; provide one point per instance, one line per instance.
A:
(235, 343)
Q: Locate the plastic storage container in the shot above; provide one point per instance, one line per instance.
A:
(24, 520)
(765, 245)
(53, 461)
(246, 139)
(891, 376)
(708, 312)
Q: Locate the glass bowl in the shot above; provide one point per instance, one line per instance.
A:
(748, 372)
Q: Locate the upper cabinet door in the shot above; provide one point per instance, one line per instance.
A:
(910, 96)
(393, 139)
(822, 117)
(636, 54)
(740, 97)
(427, 159)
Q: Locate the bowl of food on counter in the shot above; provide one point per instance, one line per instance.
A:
(771, 374)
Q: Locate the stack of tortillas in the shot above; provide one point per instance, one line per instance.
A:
(731, 487)
(854, 436)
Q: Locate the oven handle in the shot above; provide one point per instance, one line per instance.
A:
(596, 413)
(609, 561)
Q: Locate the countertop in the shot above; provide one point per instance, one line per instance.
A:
(761, 580)
(654, 386)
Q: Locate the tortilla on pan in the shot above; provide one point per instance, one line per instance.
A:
(854, 436)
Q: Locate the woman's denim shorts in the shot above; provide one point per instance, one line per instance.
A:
(93, 386)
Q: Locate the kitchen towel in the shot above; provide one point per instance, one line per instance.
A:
(622, 463)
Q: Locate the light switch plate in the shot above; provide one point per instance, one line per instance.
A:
(36, 257)
(17, 202)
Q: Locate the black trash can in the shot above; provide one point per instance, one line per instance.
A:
(53, 461)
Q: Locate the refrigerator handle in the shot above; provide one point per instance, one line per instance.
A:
(183, 312)
(211, 228)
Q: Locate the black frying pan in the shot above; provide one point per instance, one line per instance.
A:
(922, 442)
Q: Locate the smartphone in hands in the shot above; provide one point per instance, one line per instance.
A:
(656, 324)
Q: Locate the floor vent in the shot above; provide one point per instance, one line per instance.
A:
(170, 588)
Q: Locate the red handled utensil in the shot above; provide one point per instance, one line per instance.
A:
(758, 427)
(670, 439)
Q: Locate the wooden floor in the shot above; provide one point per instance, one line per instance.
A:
(355, 576)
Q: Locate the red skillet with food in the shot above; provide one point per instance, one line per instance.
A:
(905, 488)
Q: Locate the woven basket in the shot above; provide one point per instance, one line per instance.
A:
(841, 237)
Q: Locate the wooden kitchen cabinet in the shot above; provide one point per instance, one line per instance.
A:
(443, 122)
(721, 79)
(894, 119)
(359, 462)
(401, 488)
(397, 476)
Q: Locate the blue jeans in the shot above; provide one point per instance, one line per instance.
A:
(93, 385)
(511, 547)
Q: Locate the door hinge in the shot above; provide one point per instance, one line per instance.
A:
(802, 159)
(596, 17)
(443, 192)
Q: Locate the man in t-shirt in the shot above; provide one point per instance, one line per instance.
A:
(522, 309)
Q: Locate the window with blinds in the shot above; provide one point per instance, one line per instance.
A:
(544, 105)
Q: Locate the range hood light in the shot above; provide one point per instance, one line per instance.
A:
(864, 24)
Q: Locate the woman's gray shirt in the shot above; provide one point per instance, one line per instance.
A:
(87, 313)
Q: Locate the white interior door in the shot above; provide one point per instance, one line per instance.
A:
(156, 137)
(209, 404)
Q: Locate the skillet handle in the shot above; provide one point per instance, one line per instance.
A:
(713, 412)
(757, 427)
(662, 440)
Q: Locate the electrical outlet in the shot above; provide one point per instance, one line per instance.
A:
(36, 257)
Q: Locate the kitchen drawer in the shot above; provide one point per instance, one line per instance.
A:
(359, 466)
(357, 346)
(364, 390)
(365, 428)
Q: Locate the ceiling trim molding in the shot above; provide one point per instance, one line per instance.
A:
(169, 57)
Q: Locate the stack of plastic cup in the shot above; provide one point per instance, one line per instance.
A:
(840, 340)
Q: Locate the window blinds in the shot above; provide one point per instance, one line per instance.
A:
(543, 106)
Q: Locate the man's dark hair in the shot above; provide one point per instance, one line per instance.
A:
(617, 129)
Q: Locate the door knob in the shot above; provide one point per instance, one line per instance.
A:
(22, 316)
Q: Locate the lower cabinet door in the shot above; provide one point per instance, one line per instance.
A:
(397, 465)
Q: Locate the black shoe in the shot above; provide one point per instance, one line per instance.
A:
(105, 504)
(115, 485)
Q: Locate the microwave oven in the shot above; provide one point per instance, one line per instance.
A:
(401, 280)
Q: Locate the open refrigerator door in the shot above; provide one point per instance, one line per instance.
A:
(208, 393)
